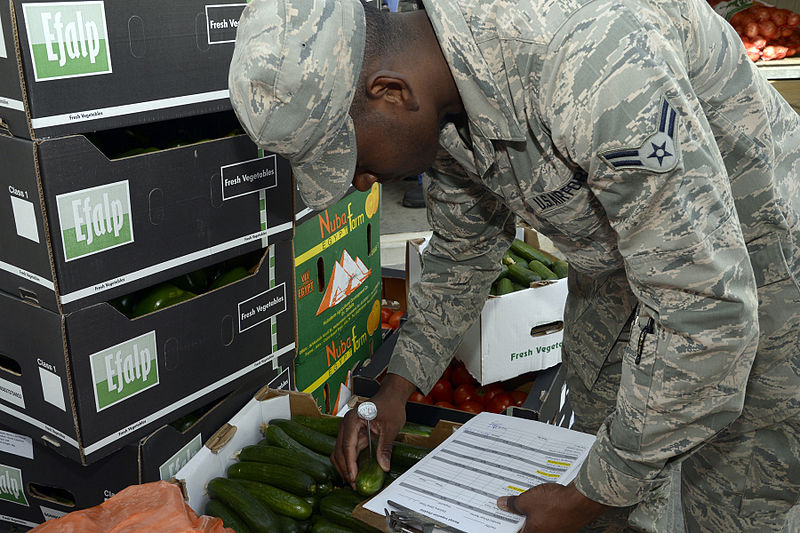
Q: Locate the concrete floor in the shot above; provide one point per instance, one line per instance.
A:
(399, 223)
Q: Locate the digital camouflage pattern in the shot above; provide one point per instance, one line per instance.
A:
(292, 79)
(639, 137)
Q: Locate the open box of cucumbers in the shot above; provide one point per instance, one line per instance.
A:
(268, 469)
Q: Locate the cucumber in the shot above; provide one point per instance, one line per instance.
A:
(278, 500)
(324, 525)
(258, 517)
(503, 273)
(310, 438)
(529, 253)
(504, 286)
(416, 429)
(338, 508)
(522, 274)
(561, 268)
(283, 477)
(228, 516)
(405, 455)
(369, 480)
(538, 267)
(518, 286)
(289, 525)
(275, 455)
(278, 437)
(509, 258)
(329, 425)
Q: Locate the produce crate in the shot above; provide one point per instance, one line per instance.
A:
(245, 429)
(516, 333)
(90, 381)
(338, 293)
(77, 66)
(44, 485)
(85, 228)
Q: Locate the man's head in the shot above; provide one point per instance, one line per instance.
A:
(291, 80)
(302, 68)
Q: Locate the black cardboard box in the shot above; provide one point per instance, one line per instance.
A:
(92, 65)
(82, 228)
(90, 381)
(42, 484)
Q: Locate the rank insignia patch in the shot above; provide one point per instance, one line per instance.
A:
(659, 153)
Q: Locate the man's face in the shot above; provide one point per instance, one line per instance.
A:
(391, 148)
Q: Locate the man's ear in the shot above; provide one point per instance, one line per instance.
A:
(393, 88)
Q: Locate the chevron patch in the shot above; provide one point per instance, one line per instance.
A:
(658, 153)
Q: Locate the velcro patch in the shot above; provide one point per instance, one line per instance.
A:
(658, 153)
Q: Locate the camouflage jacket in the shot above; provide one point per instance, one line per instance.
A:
(638, 136)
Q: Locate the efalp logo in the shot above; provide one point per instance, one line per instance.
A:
(67, 39)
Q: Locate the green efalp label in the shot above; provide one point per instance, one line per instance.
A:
(94, 220)
(124, 370)
(11, 485)
(67, 39)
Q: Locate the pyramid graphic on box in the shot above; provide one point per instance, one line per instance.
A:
(347, 276)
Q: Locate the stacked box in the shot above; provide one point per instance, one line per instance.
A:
(42, 485)
(338, 293)
(78, 66)
(127, 169)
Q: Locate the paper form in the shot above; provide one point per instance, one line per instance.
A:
(492, 455)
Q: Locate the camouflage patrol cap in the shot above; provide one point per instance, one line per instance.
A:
(292, 79)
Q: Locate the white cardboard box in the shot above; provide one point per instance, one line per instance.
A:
(516, 333)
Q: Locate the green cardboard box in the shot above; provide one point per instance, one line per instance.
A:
(338, 293)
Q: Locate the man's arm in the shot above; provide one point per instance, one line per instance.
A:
(471, 231)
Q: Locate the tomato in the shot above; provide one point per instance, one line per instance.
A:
(487, 392)
(442, 391)
(461, 375)
(394, 320)
(448, 371)
(418, 397)
(518, 396)
(385, 314)
(464, 393)
(385, 325)
(445, 404)
(470, 406)
(499, 402)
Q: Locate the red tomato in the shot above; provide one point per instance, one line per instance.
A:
(386, 312)
(445, 404)
(487, 392)
(394, 320)
(442, 391)
(518, 396)
(464, 393)
(385, 325)
(418, 397)
(461, 375)
(499, 402)
(470, 406)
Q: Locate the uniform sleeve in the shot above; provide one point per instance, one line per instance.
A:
(618, 100)
(471, 231)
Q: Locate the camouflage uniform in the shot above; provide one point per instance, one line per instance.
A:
(639, 138)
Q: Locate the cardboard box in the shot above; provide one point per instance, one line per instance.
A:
(93, 380)
(245, 429)
(338, 284)
(516, 333)
(79, 228)
(45, 485)
(76, 66)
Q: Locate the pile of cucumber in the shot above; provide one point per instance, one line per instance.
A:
(522, 265)
(286, 483)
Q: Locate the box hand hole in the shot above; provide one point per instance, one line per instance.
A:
(10, 365)
(28, 295)
(546, 329)
(51, 494)
(136, 39)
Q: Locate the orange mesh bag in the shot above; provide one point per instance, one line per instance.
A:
(156, 507)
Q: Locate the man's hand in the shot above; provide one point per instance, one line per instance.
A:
(552, 507)
(391, 403)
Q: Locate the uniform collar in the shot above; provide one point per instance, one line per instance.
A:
(485, 105)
